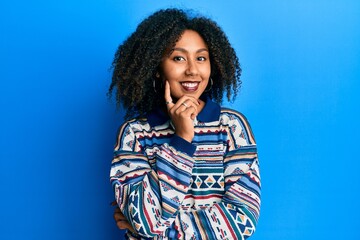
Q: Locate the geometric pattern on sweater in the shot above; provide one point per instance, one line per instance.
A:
(205, 181)
(169, 188)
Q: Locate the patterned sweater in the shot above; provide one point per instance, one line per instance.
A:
(169, 188)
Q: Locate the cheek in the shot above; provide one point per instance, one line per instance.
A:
(167, 73)
(175, 89)
(173, 71)
(207, 70)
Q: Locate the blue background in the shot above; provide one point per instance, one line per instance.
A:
(301, 69)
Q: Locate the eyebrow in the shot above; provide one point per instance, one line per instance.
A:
(185, 51)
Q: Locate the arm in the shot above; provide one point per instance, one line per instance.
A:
(150, 197)
(236, 215)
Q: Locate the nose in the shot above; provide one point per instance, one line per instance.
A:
(191, 69)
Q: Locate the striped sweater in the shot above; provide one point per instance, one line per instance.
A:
(169, 188)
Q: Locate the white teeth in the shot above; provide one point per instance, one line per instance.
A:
(189, 84)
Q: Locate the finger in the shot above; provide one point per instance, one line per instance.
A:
(186, 101)
(190, 112)
(184, 106)
(193, 115)
(167, 96)
(119, 216)
(180, 107)
(190, 98)
(191, 104)
(123, 225)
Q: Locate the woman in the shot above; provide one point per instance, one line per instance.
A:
(183, 167)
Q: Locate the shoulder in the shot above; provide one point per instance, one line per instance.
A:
(128, 133)
(237, 123)
(228, 115)
(134, 125)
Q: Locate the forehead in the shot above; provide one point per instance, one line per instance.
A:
(190, 39)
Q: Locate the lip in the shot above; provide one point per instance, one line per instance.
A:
(190, 86)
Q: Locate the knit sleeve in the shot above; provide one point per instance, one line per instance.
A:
(236, 215)
(242, 173)
(150, 196)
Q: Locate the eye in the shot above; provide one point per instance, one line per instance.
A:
(201, 59)
(178, 58)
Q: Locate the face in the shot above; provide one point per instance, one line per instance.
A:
(187, 66)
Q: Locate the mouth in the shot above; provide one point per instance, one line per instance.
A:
(190, 86)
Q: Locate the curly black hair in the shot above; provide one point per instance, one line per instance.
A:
(138, 59)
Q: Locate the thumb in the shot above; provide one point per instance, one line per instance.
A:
(167, 96)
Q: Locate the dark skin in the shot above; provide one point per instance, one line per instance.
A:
(181, 116)
(120, 219)
(132, 78)
(190, 64)
(179, 64)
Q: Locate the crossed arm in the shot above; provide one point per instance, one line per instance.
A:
(150, 209)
